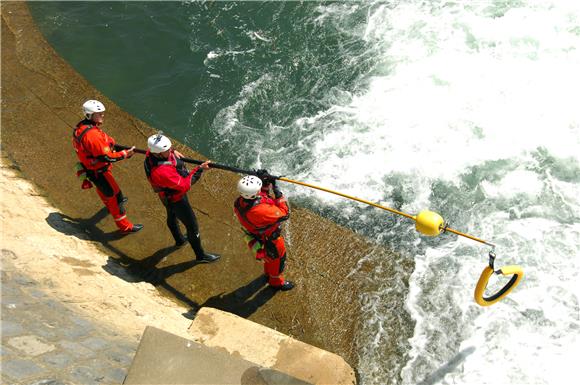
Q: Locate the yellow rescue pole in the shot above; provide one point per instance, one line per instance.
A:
(427, 222)
(432, 224)
(346, 196)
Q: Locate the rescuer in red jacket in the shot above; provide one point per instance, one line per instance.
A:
(261, 217)
(171, 180)
(96, 152)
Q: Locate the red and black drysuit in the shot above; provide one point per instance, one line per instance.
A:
(171, 180)
(96, 153)
(261, 218)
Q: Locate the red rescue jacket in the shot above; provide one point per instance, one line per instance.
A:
(261, 217)
(169, 177)
(95, 149)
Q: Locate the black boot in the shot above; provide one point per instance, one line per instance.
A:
(208, 258)
(287, 285)
(134, 229)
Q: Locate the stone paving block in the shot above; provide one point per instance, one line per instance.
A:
(116, 375)
(5, 353)
(86, 375)
(20, 370)
(10, 290)
(102, 366)
(49, 381)
(128, 348)
(77, 348)
(95, 343)
(81, 322)
(24, 281)
(30, 345)
(10, 328)
(37, 293)
(57, 360)
(53, 305)
(121, 358)
(74, 331)
(10, 302)
(49, 335)
(51, 318)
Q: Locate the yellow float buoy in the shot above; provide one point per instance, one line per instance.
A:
(429, 223)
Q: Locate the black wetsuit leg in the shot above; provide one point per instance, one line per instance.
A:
(172, 224)
(183, 211)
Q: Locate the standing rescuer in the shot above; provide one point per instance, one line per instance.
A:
(261, 216)
(171, 180)
(96, 153)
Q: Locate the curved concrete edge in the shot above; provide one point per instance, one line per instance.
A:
(269, 348)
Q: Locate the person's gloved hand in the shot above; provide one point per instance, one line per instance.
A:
(264, 176)
(260, 254)
(276, 191)
(129, 152)
(86, 184)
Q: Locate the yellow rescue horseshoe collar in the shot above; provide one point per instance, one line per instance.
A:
(514, 270)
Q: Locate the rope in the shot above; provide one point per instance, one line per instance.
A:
(383, 208)
(443, 228)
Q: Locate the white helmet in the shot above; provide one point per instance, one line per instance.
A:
(158, 143)
(249, 186)
(92, 106)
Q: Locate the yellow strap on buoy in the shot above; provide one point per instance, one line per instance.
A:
(514, 270)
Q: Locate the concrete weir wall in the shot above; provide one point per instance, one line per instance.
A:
(227, 349)
(269, 348)
(41, 100)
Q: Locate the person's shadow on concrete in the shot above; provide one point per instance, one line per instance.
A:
(146, 270)
(245, 300)
(83, 228)
(124, 267)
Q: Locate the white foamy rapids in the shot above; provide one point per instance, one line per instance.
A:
(461, 88)
(457, 89)
(478, 100)
(529, 337)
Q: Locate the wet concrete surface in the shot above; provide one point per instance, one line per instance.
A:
(41, 103)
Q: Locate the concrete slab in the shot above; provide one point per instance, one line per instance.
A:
(269, 348)
(164, 358)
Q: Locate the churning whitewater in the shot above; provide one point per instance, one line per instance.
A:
(470, 109)
(466, 108)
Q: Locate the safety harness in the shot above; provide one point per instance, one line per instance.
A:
(150, 164)
(263, 234)
(86, 158)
